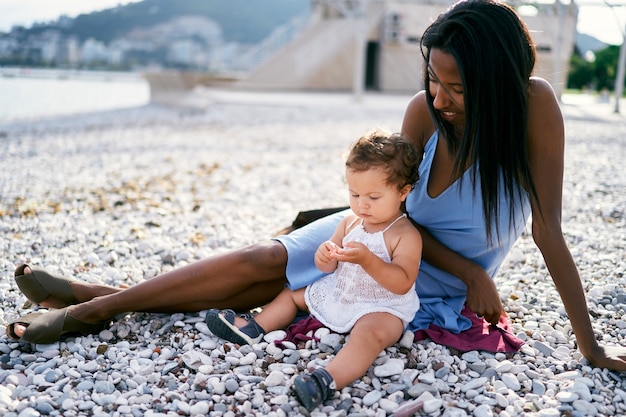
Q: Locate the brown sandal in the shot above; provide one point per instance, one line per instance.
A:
(51, 326)
(39, 285)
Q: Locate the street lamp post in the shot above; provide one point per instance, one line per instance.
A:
(619, 78)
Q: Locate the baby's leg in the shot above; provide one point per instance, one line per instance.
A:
(280, 313)
(370, 335)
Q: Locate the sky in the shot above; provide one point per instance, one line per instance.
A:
(603, 22)
(594, 17)
(27, 12)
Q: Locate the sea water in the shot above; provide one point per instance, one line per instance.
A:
(27, 95)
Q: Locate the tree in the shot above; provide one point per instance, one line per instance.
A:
(598, 74)
(581, 72)
(606, 68)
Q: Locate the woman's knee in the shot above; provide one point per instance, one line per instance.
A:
(268, 255)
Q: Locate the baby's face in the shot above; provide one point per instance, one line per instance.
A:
(371, 198)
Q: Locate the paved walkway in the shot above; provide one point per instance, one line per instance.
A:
(585, 106)
(578, 106)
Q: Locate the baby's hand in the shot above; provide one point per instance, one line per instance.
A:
(331, 247)
(327, 252)
(353, 252)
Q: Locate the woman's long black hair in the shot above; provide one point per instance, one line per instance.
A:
(495, 56)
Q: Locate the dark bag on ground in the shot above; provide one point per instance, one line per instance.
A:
(305, 217)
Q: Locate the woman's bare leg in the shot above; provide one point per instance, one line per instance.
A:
(370, 335)
(241, 279)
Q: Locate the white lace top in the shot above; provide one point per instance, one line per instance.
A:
(339, 299)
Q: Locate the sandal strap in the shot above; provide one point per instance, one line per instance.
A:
(325, 381)
(51, 326)
(39, 284)
(314, 388)
(252, 329)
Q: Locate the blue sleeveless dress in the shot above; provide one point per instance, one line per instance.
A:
(455, 218)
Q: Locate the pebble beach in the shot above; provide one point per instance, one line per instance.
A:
(120, 196)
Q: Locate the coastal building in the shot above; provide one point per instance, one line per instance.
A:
(374, 44)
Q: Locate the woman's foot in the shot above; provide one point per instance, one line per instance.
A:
(82, 314)
(51, 326)
(43, 288)
(19, 329)
(50, 291)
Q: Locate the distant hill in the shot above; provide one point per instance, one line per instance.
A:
(586, 43)
(244, 21)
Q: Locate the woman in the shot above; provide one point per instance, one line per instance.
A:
(493, 143)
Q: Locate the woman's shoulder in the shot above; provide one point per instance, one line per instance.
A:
(540, 87)
(546, 127)
(544, 111)
(418, 124)
(541, 97)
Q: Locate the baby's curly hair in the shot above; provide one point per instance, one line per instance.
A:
(392, 151)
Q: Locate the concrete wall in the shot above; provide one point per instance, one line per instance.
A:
(400, 68)
(322, 57)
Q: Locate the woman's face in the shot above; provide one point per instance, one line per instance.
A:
(446, 87)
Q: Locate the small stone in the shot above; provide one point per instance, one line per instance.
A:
(511, 382)
(390, 367)
(473, 384)
(431, 406)
(471, 356)
(199, 408)
(483, 410)
(538, 388)
(372, 398)
(275, 378)
(566, 397)
(406, 341)
(274, 336)
(543, 348)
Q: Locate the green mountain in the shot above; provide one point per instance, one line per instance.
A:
(245, 21)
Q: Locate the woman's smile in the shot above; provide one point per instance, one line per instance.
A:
(449, 116)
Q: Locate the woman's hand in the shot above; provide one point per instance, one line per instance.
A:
(482, 296)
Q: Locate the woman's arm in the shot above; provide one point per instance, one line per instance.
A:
(546, 153)
(482, 295)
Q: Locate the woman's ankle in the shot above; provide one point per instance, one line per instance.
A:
(92, 311)
(85, 292)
